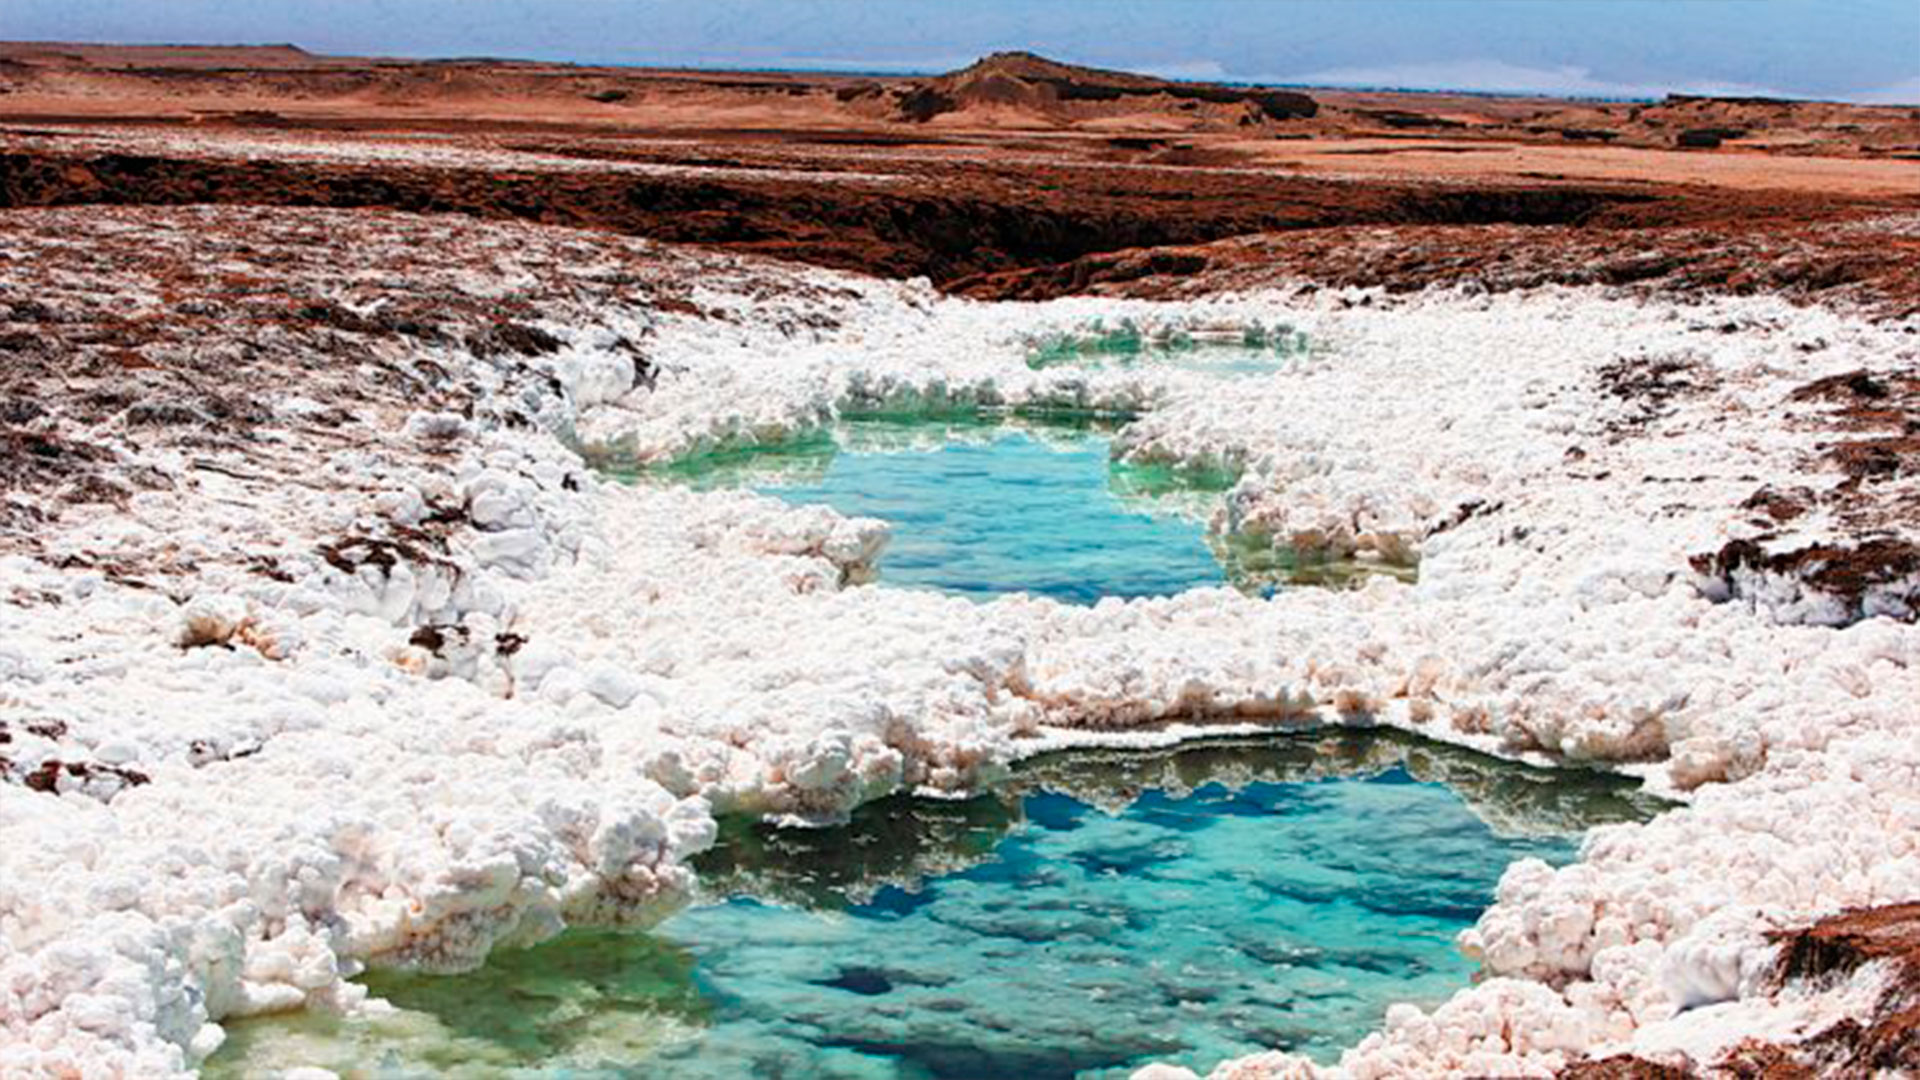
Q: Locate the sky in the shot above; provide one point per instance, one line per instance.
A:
(1857, 50)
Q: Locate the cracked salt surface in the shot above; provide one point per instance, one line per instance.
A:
(1102, 910)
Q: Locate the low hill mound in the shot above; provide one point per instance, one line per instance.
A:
(1021, 85)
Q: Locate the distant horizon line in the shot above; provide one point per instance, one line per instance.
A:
(925, 73)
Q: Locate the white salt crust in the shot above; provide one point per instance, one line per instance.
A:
(328, 793)
(413, 150)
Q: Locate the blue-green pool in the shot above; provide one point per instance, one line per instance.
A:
(1015, 512)
(981, 509)
(1229, 898)
(984, 505)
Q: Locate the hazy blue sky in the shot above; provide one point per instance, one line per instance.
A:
(1858, 49)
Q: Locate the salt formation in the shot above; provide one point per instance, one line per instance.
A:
(404, 755)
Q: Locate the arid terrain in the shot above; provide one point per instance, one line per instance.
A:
(1015, 177)
(227, 274)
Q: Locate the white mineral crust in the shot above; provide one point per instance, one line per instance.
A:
(327, 793)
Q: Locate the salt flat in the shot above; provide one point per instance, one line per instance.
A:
(367, 666)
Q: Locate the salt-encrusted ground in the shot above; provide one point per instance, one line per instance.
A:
(322, 652)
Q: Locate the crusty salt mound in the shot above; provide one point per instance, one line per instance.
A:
(326, 647)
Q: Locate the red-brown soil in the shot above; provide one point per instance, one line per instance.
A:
(1004, 91)
(1025, 178)
(1881, 1044)
(1733, 245)
(947, 222)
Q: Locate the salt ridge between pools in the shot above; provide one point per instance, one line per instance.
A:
(335, 791)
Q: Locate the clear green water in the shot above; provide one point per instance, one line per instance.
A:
(1228, 898)
(982, 509)
(983, 505)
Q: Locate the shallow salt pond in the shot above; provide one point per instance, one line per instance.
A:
(982, 507)
(1102, 910)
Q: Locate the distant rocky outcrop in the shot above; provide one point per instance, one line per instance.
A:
(1023, 82)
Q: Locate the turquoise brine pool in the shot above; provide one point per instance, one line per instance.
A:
(1102, 911)
(980, 509)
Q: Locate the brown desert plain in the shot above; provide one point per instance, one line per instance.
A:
(1016, 177)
